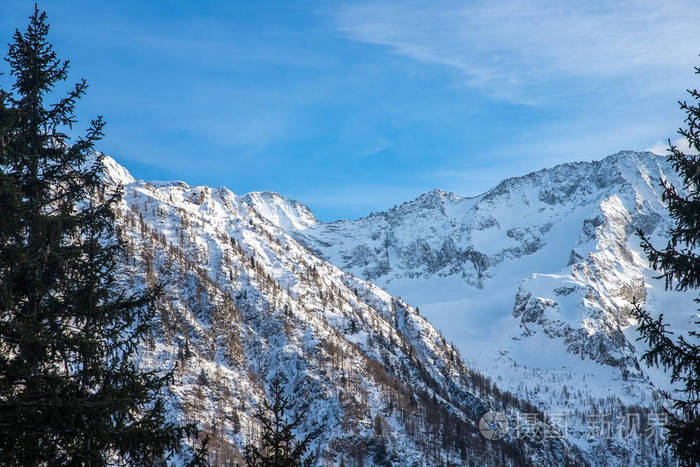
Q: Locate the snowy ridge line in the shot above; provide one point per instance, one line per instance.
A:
(537, 274)
(244, 300)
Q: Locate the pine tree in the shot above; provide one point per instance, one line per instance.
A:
(70, 391)
(679, 264)
(279, 447)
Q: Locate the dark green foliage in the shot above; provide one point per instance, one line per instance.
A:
(679, 265)
(70, 391)
(279, 447)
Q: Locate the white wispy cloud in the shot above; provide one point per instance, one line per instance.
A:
(519, 48)
(661, 147)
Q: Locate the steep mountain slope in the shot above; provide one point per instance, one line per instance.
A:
(533, 279)
(244, 301)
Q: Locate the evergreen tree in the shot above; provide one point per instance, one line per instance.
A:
(70, 391)
(279, 447)
(679, 264)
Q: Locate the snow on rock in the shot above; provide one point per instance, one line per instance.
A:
(284, 213)
(243, 300)
(534, 279)
(114, 173)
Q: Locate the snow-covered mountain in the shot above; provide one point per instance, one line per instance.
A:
(532, 280)
(244, 301)
(553, 252)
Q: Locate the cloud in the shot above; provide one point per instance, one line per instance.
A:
(681, 143)
(518, 49)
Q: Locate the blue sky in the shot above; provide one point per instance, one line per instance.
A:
(352, 107)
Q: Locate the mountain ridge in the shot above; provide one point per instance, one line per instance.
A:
(245, 275)
(243, 301)
(574, 221)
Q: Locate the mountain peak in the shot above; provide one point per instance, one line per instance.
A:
(428, 200)
(285, 213)
(438, 194)
(115, 173)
